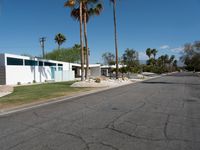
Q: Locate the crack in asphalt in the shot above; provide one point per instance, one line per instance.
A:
(134, 136)
(78, 137)
(109, 145)
(165, 127)
(112, 123)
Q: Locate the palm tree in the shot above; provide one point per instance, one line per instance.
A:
(115, 30)
(74, 5)
(148, 52)
(171, 60)
(60, 39)
(90, 8)
(154, 52)
(166, 60)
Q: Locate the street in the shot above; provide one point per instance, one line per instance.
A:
(158, 114)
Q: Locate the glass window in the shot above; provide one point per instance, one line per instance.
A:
(14, 61)
(49, 64)
(31, 63)
(40, 63)
(60, 68)
(60, 64)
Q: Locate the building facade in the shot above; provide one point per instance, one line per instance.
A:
(15, 69)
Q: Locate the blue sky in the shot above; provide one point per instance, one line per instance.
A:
(163, 24)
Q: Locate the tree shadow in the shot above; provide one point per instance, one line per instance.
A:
(185, 74)
(169, 83)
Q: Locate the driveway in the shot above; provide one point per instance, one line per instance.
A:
(159, 114)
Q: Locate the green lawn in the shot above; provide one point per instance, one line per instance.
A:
(32, 93)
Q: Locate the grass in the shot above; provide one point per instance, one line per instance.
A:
(39, 92)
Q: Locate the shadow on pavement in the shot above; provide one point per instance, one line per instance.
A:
(172, 83)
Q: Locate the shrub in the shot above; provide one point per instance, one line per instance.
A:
(98, 80)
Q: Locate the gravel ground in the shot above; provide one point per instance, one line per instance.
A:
(103, 83)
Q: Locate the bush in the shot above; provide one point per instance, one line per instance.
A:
(98, 80)
(155, 69)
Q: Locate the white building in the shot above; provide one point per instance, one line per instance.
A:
(15, 69)
(106, 70)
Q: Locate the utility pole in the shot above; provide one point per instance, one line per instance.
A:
(42, 40)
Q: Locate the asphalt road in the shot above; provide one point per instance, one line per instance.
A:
(159, 114)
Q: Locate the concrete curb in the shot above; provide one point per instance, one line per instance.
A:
(65, 98)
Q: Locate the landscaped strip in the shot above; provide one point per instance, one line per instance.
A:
(40, 92)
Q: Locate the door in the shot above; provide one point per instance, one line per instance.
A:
(53, 69)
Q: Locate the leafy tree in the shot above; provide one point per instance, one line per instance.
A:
(130, 58)
(66, 54)
(60, 39)
(191, 56)
(151, 61)
(109, 59)
(74, 5)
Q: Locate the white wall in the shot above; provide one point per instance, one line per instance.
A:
(65, 75)
(26, 74)
(95, 71)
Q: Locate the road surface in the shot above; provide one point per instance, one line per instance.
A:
(159, 114)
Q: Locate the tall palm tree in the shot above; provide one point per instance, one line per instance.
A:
(90, 8)
(60, 39)
(154, 52)
(148, 52)
(74, 5)
(115, 31)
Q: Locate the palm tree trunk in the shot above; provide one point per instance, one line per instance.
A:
(116, 46)
(81, 41)
(86, 45)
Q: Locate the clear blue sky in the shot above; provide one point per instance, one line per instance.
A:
(163, 24)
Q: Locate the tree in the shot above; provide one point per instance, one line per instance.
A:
(90, 8)
(66, 54)
(154, 52)
(109, 59)
(60, 39)
(115, 32)
(148, 52)
(129, 58)
(191, 56)
(74, 5)
(166, 59)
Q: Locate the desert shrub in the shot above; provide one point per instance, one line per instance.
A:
(98, 80)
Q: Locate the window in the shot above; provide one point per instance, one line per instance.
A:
(40, 63)
(60, 68)
(60, 64)
(31, 63)
(14, 61)
(49, 64)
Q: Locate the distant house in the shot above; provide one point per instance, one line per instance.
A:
(106, 70)
(15, 69)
